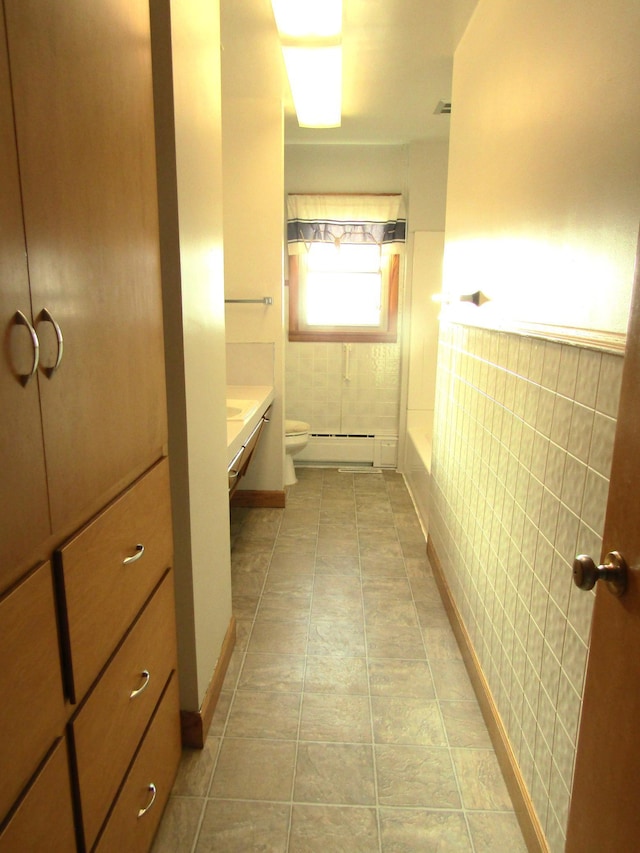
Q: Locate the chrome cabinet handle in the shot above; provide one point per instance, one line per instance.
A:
(139, 552)
(153, 791)
(22, 320)
(47, 317)
(146, 678)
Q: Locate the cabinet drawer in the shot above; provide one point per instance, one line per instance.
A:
(32, 710)
(155, 765)
(104, 589)
(43, 822)
(110, 725)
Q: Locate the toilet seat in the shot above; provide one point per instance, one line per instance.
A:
(295, 427)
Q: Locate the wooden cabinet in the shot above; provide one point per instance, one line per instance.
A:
(83, 430)
(43, 820)
(23, 493)
(32, 711)
(84, 207)
(138, 808)
(118, 558)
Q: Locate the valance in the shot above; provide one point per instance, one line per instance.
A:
(346, 219)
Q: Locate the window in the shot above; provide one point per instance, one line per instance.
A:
(344, 267)
(345, 293)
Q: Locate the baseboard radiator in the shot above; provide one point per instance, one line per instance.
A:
(381, 451)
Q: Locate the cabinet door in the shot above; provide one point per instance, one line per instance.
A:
(82, 88)
(24, 520)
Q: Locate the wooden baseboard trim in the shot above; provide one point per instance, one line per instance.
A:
(251, 498)
(527, 818)
(195, 724)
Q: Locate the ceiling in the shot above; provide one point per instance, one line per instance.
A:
(397, 62)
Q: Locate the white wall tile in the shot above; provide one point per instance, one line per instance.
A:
(520, 471)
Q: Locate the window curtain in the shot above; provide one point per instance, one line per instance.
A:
(346, 219)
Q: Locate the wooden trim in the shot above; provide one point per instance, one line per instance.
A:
(527, 818)
(252, 498)
(195, 724)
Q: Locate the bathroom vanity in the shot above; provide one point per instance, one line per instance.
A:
(247, 413)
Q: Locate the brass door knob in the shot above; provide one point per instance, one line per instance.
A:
(613, 572)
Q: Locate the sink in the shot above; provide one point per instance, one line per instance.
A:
(240, 410)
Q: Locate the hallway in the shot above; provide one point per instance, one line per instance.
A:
(347, 721)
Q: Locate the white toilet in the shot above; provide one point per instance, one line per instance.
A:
(296, 437)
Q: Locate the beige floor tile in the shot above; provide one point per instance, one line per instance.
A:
(336, 675)
(497, 831)
(264, 715)
(340, 631)
(221, 713)
(480, 780)
(377, 612)
(337, 565)
(415, 776)
(196, 769)
(254, 770)
(286, 638)
(380, 548)
(339, 637)
(239, 827)
(394, 641)
(440, 643)
(341, 719)
(410, 831)
(340, 585)
(274, 673)
(291, 563)
(386, 589)
(465, 724)
(339, 773)
(451, 680)
(329, 829)
(401, 678)
(278, 607)
(285, 584)
(407, 720)
(378, 566)
(245, 606)
(337, 606)
(289, 544)
(329, 547)
(179, 825)
(249, 562)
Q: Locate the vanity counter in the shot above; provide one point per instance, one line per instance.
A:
(240, 426)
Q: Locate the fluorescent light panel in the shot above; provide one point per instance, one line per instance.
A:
(308, 18)
(310, 32)
(315, 77)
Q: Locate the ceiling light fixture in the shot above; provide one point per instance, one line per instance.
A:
(310, 35)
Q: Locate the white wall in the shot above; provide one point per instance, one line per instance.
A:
(253, 169)
(345, 168)
(544, 188)
(542, 215)
(188, 135)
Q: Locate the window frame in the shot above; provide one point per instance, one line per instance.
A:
(344, 334)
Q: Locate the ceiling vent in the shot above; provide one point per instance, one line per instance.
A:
(443, 108)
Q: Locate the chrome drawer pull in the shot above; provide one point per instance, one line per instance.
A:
(145, 683)
(21, 320)
(47, 317)
(139, 552)
(153, 792)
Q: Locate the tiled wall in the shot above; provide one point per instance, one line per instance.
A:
(316, 391)
(523, 437)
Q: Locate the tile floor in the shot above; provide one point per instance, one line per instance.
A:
(347, 721)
